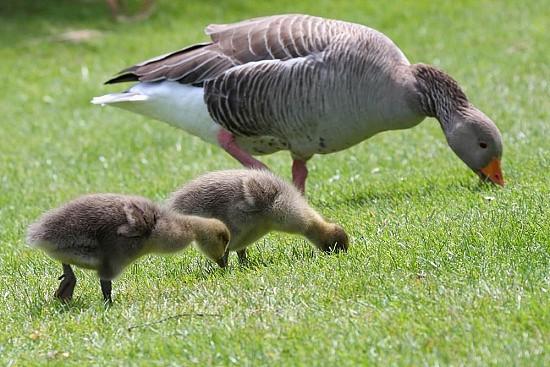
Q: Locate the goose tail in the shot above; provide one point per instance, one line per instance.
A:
(113, 98)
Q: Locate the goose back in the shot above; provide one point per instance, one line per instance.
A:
(278, 37)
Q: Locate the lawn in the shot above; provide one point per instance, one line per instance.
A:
(441, 270)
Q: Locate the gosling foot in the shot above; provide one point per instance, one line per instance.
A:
(66, 287)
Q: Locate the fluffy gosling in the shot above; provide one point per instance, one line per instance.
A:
(253, 202)
(107, 232)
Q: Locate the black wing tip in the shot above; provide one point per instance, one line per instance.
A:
(122, 78)
(131, 74)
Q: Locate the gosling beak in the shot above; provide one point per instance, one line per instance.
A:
(222, 262)
(493, 172)
(336, 248)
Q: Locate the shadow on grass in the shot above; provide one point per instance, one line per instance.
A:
(396, 194)
(50, 305)
(259, 257)
(76, 304)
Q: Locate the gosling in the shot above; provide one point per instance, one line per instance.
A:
(107, 232)
(253, 202)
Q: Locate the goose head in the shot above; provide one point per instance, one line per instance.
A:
(472, 135)
(475, 139)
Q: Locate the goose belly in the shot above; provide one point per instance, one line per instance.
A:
(264, 144)
(338, 135)
(327, 136)
(84, 257)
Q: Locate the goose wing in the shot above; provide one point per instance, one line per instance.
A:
(291, 98)
(284, 98)
(141, 217)
(279, 37)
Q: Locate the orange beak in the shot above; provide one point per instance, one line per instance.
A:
(493, 172)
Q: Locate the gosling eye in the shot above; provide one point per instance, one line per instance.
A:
(483, 145)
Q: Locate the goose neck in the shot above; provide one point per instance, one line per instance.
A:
(439, 95)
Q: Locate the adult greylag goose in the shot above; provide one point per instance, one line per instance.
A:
(304, 84)
(253, 202)
(107, 232)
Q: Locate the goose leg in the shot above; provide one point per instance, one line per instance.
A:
(118, 10)
(106, 287)
(299, 174)
(228, 143)
(68, 282)
(242, 256)
(115, 7)
(146, 10)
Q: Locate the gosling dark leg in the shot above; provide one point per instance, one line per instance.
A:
(106, 286)
(242, 256)
(66, 287)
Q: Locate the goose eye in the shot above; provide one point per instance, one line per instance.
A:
(483, 145)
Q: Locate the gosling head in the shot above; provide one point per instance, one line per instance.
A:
(477, 141)
(329, 238)
(212, 239)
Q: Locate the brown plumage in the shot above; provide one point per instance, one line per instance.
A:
(307, 85)
(106, 232)
(253, 202)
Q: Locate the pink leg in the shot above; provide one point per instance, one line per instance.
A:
(299, 174)
(115, 7)
(227, 142)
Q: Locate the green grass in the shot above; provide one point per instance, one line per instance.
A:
(441, 270)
